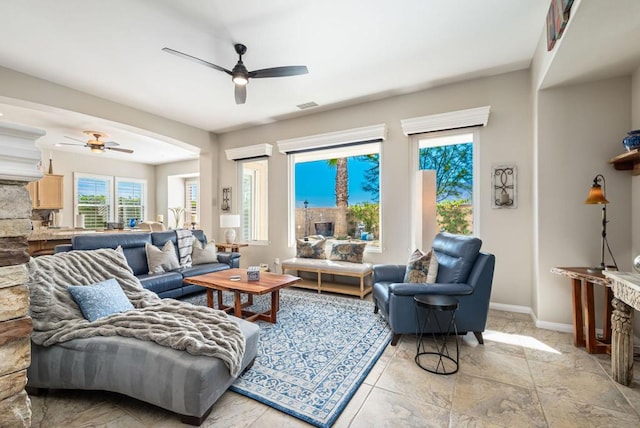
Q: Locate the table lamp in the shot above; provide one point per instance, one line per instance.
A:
(230, 222)
(597, 196)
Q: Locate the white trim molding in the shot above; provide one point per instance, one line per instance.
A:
(478, 116)
(332, 139)
(19, 155)
(248, 152)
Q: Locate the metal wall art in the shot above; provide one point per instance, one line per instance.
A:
(226, 200)
(503, 182)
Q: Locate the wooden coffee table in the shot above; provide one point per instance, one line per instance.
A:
(268, 283)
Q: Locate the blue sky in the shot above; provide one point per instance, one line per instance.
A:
(315, 182)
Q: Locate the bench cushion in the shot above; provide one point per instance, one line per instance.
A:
(327, 265)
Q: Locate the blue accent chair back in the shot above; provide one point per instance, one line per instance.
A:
(463, 272)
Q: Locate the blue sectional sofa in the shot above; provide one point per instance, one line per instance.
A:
(167, 284)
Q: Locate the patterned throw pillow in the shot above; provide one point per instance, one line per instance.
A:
(208, 254)
(422, 268)
(348, 252)
(312, 249)
(100, 300)
(164, 260)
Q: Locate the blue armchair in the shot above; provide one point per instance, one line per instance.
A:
(463, 272)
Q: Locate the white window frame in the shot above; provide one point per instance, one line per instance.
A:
(187, 200)
(144, 201)
(372, 133)
(77, 176)
(415, 165)
(259, 203)
(332, 153)
(112, 186)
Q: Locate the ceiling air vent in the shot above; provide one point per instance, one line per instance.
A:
(307, 105)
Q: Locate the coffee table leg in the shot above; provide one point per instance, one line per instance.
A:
(275, 305)
(237, 300)
(220, 305)
(210, 297)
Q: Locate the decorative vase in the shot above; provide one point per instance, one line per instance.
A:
(132, 222)
(632, 140)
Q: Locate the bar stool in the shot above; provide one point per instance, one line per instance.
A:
(433, 303)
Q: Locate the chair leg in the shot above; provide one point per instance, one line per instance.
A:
(478, 335)
(395, 338)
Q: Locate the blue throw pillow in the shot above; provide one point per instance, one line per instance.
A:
(100, 300)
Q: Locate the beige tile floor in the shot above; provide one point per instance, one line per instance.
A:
(522, 376)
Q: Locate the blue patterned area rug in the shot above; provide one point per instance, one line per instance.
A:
(313, 360)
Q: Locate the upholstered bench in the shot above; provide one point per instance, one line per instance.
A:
(362, 271)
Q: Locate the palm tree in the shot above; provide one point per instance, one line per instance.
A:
(342, 194)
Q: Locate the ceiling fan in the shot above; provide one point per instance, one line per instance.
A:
(240, 75)
(96, 145)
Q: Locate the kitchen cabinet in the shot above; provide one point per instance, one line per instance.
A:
(47, 193)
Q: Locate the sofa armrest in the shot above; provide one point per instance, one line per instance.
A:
(62, 248)
(407, 289)
(388, 273)
(232, 259)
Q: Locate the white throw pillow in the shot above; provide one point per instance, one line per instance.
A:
(164, 260)
(208, 254)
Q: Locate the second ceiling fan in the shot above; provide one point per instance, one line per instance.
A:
(240, 75)
(96, 145)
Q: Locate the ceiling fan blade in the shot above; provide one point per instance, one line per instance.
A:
(70, 144)
(76, 139)
(118, 149)
(241, 94)
(291, 70)
(110, 143)
(198, 60)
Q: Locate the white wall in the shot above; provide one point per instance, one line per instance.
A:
(19, 86)
(579, 129)
(635, 181)
(163, 174)
(66, 163)
(507, 138)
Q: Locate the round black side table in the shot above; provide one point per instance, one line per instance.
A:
(441, 360)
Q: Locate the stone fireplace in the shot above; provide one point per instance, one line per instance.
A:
(18, 159)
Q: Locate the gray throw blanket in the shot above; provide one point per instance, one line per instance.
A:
(179, 325)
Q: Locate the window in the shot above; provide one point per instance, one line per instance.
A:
(130, 195)
(93, 199)
(254, 205)
(451, 155)
(337, 192)
(104, 199)
(191, 193)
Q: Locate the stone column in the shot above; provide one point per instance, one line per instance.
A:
(18, 159)
(621, 342)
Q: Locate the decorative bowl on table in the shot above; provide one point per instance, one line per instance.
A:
(632, 140)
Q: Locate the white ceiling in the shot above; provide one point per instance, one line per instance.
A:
(355, 50)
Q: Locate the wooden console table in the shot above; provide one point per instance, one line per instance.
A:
(626, 289)
(584, 311)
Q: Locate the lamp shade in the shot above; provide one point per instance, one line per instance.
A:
(229, 220)
(596, 195)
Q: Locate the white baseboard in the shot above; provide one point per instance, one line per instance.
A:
(547, 325)
(511, 308)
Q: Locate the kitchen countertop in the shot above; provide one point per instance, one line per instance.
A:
(50, 234)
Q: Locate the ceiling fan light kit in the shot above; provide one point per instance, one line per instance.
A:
(240, 75)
